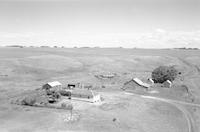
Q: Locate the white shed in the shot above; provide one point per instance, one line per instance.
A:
(150, 80)
(167, 84)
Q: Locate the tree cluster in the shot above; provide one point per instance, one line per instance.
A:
(164, 73)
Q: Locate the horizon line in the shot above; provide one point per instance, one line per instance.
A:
(74, 47)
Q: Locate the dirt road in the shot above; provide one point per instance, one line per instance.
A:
(177, 104)
(188, 117)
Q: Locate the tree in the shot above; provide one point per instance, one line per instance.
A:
(65, 93)
(164, 73)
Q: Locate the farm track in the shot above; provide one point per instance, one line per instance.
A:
(177, 104)
(192, 69)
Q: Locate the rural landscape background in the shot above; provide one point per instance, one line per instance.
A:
(87, 65)
(26, 69)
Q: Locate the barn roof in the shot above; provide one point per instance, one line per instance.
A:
(54, 83)
(141, 83)
(138, 82)
(168, 82)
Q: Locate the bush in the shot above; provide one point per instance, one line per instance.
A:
(29, 101)
(65, 93)
(103, 86)
(67, 106)
(53, 94)
(164, 73)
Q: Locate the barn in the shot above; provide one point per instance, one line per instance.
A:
(54, 85)
(87, 95)
(135, 83)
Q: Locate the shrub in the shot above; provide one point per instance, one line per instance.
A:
(67, 106)
(29, 101)
(65, 93)
(53, 94)
(164, 73)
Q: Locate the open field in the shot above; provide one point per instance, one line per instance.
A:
(24, 69)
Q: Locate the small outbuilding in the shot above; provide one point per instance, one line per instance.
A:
(54, 85)
(71, 86)
(167, 84)
(151, 81)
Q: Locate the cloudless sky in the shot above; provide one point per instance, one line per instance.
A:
(104, 23)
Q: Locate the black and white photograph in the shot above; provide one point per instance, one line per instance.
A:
(99, 65)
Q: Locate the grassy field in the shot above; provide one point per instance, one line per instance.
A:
(23, 69)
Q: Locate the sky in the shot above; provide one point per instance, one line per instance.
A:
(102, 23)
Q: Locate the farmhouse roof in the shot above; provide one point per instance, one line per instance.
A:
(54, 83)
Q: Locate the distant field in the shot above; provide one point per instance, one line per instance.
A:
(41, 64)
(24, 69)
